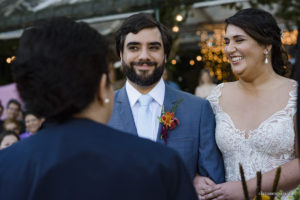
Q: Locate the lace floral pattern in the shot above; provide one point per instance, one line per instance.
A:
(266, 148)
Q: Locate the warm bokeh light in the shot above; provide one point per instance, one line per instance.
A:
(290, 37)
(198, 58)
(173, 61)
(8, 60)
(175, 29)
(192, 62)
(179, 18)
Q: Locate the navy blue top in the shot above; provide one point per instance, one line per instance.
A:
(82, 159)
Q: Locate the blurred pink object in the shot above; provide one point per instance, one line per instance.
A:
(8, 92)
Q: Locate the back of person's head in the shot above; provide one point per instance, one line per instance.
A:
(138, 22)
(12, 125)
(58, 67)
(8, 138)
(263, 28)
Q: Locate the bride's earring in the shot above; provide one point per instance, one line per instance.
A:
(266, 52)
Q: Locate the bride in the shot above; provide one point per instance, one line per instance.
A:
(255, 115)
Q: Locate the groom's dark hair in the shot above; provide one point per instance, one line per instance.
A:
(136, 23)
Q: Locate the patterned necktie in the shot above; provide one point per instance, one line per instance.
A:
(144, 121)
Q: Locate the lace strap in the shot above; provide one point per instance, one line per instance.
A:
(213, 98)
(291, 107)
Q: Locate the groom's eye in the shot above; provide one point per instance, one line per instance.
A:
(133, 48)
(155, 47)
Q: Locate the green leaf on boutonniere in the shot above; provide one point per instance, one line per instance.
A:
(163, 110)
(176, 105)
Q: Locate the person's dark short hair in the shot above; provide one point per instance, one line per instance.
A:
(13, 101)
(263, 28)
(136, 23)
(58, 67)
(6, 133)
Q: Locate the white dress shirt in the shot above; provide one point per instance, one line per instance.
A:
(158, 94)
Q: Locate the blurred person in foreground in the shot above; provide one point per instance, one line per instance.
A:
(32, 123)
(255, 115)
(7, 138)
(61, 74)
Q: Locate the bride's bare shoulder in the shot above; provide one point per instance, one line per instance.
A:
(229, 88)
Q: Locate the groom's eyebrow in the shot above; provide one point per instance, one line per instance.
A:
(132, 43)
(155, 43)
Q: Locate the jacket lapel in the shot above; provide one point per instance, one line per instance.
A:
(126, 118)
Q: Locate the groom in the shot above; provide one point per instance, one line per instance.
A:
(143, 45)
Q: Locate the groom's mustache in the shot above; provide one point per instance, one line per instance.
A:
(149, 63)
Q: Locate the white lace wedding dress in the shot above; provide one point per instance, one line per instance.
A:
(266, 148)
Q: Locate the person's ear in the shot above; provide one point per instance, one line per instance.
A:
(103, 92)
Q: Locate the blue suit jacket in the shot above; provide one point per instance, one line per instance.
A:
(194, 138)
(82, 159)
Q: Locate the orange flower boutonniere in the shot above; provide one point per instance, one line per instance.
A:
(168, 121)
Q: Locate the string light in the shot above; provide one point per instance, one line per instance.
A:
(8, 60)
(175, 29)
(192, 62)
(179, 18)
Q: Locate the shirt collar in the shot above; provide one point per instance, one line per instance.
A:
(157, 93)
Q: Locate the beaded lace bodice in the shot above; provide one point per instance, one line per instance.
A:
(267, 147)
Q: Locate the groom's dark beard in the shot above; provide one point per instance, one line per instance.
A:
(143, 79)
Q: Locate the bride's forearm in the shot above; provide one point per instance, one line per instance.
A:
(289, 178)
